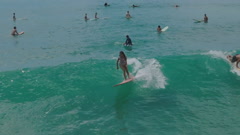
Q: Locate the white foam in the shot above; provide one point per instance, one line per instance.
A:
(218, 54)
(149, 72)
(222, 55)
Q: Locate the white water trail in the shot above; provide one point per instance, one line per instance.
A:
(148, 72)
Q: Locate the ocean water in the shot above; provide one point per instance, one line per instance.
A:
(58, 77)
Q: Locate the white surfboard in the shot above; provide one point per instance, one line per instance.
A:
(20, 33)
(94, 19)
(197, 21)
(164, 29)
(125, 81)
(22, 18)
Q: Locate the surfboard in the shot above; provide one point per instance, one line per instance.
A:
(125, 81)
(104, 18)
(22, 19)
(164, 29)
(94, 19)
(20, 33)
(197, 21)
(128, 47)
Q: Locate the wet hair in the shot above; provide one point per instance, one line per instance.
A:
(121, 52)
(127, 36)
(14, 27)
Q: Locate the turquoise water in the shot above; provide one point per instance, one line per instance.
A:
(57, 78)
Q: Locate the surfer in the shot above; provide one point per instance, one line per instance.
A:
(128, 41)
(122, 60)
(205, 18)
(96, 16)
(14, 31)
(159, 29)
(86, 18)
(128, 15)
(14, 17)
(235, 58)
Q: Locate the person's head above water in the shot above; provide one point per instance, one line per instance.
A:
(14, 27)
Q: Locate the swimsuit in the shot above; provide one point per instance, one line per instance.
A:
(122, 61)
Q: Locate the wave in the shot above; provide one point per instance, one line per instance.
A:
(222, 55)
(149, 72)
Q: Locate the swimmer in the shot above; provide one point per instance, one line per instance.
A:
(85, 17)
(105, 4)
(159, 29)
(128, 41)
(14, 17)
(205, 18)
(176, 6)
(128, 15)
(235, 58)
(14, 31)
(122, 62)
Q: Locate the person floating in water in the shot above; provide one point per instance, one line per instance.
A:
(205, 18)
(128, 41)
(134, 5)
(235, 58)
(14, 17)
(176, 6)
(86, 18)
(128, 15)
(159, 29)
(106, 4)
(96, 16)
(122, 62)
(14, 31)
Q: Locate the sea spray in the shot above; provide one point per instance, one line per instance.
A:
(149, 72)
